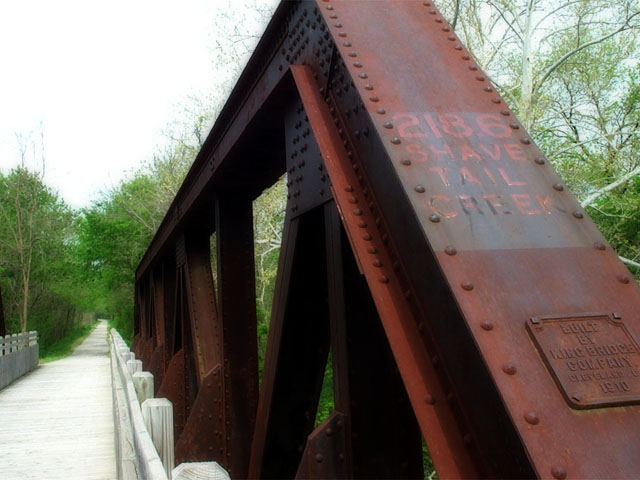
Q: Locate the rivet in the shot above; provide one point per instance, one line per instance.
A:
(377, 263)
(458, 47)
(381, 110)
(473, 68)
(362, 224)
(559, 472)
(329, 7)
(446, 29)
(353, 54)
(468, 286)
(342, 34)
(558, 186)
(466, 57)
(532, 418)
(467, 439)
(486, 325)
(319, 458)
(577, 397)
(451, 38)
(578, 214)
(368, 86)
(488, 89)
(367, 237)
(338, 25)
(372, 250)
(353, 200)
(525, 140)
(388, 125)
(395, 140)
(363, 75)
(328, 432)
(348, 188)
(506, 113)
(347, 44)
(480, 78)
(333, 16)
(514, 126)
(384, 279)
(396, 267)
(419, 189)
(623, 279)
(429, 399)
(357, 212)
(438, 20)
(432, 12)
(374, 98)
(435, 218)
(406, 162)
(357, 64)
(617, 316)
(450, 250)
(509, 368)
(496, 100)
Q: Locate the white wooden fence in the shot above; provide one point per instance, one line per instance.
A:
(18, 355)
(144, 425)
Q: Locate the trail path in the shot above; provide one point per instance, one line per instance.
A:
(57, 422)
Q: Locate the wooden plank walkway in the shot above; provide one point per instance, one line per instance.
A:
(57, 421)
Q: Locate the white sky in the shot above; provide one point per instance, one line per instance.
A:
(103, 79)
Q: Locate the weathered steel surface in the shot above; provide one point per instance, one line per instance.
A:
(237, 300)
(425, 234)
(205, 435)
(325, 455)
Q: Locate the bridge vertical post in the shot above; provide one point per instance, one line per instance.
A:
(237, 309)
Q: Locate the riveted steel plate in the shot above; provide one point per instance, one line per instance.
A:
(593, 358)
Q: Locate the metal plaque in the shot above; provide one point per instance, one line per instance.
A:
(593, 358)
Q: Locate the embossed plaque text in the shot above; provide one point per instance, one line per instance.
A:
(593, 358)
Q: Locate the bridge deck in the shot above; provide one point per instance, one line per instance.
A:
(57, 421)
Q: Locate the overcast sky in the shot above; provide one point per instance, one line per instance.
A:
(103, 79)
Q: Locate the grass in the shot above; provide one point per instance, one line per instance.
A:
(64, 347)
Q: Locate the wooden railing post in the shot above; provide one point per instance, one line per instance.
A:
(158, 418)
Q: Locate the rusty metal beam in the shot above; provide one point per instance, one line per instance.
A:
(237, 307)
(510, 320)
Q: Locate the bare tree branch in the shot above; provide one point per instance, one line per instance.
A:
(566, 56)
(598, 193)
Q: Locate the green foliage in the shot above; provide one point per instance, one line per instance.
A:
(66, 345)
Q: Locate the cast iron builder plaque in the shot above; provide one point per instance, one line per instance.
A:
(593, 358)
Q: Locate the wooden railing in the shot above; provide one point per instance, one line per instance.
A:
(18, 356)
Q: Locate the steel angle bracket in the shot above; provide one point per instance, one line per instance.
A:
(204, 435)
(446, 444)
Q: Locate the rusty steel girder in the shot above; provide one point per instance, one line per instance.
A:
(463, 294)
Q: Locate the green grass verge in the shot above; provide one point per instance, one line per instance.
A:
(67, 345)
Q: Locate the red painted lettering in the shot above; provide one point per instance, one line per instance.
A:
(418, 155)
(403, 127)
(547, 202)
(523, 202)
(495, 202)
(439, 199)
(490, 175)
(467, 152)
(510, 182)
(441, 171)
(515, 152)
(495, 154)
(438, 153)
(467, 176)
(469, 203)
